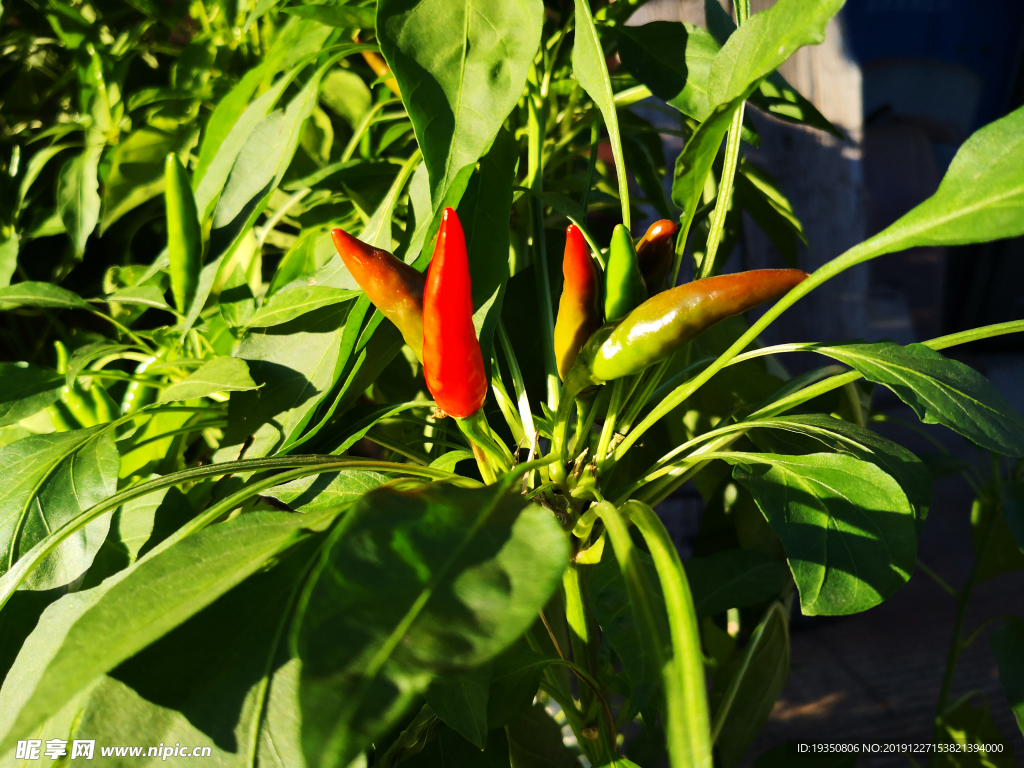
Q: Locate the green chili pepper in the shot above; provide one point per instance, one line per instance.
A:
(579, 313)
(655, 252)
(665, 322)
(624, 286)
(140, 393)
(78, 408)
(184, 236)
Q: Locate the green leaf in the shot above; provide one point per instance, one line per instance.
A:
(1008, 648)
(515, 678)
(760, 197)
(651, 53)
(484, 212)
(129, 612)
(140, 295)
(295, 365)
(755, 50)
(415, 583)
(236, 303)
(940, 390)
(980, 198)
(461, 67)
(33, 294)
(334, 16)
(591, 71)
(257, 170)
(8, 258)
(535, 741)
(222, 374)
(448, 748)
(137, 169)
(289, 304)
(846, 437)
(733, 578)
(87, 354)
(764, 42)
(330, 490)
(135, 528)
(609, 598)
(345, 94)
(460, 700)
(233, 134)
(847, 527)
(685, 710)
(26, 390)
(748, 686)
(48, 480)
(995, 548)
(78, 198)
(774, 95)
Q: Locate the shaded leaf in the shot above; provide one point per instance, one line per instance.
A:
(49, 480)
(940, 390)
(8, 258)
(651, 53)
(414, 584)
(1008, 648)
(26, 389)
(460, 700)
(733, 578)
(754, 679)
(535, 741)
(127, 613)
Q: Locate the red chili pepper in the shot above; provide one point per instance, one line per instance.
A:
(452, 362)
(394, 287)
(579, 314)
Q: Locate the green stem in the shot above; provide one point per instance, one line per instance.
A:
(955, 644)
(732, 154)
(608, 429)
(535, 182)
(595, 135)
(937, 579)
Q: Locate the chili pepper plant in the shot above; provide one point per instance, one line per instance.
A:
(345, 382)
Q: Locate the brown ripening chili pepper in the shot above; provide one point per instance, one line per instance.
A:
(656, 252)
(453, 365)
(395, 288)
(579, 313)
(665, 322)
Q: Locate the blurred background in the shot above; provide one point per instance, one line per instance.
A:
(907, 81)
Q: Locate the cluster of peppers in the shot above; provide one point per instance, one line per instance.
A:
(599, 336)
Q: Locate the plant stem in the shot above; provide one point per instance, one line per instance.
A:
(732, 154)
(937, 579)
(595, 134)
(955, 645)
(534, 181)
(608, 430)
